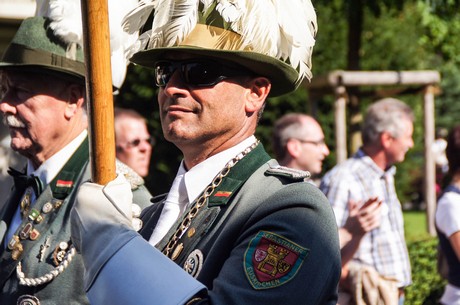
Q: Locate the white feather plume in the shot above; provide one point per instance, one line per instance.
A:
(120, 41)
(230, 10)
(66, 23)
(136, 18)
(284, 29)
(175, 21)
(66, 18)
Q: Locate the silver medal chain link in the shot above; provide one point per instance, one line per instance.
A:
(201, 201)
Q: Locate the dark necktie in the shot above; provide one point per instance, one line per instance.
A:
(23, 181)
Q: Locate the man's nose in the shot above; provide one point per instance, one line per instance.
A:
(6, 106)
(326, 150)
(144, 145)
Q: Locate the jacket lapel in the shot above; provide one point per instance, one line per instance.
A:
(217, 203)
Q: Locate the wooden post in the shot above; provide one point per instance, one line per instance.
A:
(340, 117)
(96, 37)
(430, 167)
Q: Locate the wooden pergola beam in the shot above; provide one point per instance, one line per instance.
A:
(374, 78)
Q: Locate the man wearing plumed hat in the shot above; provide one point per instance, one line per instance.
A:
(235, 228)
(43, 105)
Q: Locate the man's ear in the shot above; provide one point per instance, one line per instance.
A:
(258, 90)
(293, 148)
(386, 139)
(76, 100)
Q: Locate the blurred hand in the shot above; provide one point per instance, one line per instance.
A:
(365, 218)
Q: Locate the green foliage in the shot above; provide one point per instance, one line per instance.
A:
(415, 225)
(441, 22)
(330, 49)
(391, 41)
(275, 108)
(427, 286)
(447, 106)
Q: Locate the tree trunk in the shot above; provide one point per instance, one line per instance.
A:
(355, 29)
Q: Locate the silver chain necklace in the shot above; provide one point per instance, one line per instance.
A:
(200, 202)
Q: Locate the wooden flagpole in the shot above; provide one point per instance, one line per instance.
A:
(96, 35)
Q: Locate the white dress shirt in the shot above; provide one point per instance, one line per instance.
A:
(188, 185)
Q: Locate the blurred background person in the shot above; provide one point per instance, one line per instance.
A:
(133, 141)
(448, 220)
(440, 159)
(298, 142)
(368, 212)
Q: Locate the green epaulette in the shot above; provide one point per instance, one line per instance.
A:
(291, 173)
(133, 178)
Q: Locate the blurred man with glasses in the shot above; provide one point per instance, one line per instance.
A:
(298, 142)
(133, 141)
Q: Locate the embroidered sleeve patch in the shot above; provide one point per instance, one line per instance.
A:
(272, 260)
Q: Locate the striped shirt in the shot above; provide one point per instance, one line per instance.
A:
(383, 248)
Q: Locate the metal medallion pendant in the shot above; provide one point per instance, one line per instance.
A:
(60, 253)
(194, 263)
(28, 300)
(25, 232)
(26, 200)
(177, 251)
(16, 247)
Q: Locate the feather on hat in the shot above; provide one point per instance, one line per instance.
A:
(269, 37)
(66, 22)
(58, 23)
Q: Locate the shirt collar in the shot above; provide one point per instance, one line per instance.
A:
(391, 171)
(48, 170)
(199, 176)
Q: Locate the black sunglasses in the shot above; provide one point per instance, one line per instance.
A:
(137, 142)
(196, 72)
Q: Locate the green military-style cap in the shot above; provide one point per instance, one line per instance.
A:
(35, 47)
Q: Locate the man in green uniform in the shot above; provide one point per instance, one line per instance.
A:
(236, 228)
(43, 106)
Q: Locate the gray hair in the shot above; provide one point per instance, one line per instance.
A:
(287, 127)
(120, 113)
(385, 115)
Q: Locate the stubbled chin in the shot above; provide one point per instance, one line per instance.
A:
(175, 130)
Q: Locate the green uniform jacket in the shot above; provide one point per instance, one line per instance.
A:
(38, 256)
(265, 236)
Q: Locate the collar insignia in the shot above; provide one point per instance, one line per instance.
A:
(222, 194)
(64, 183)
